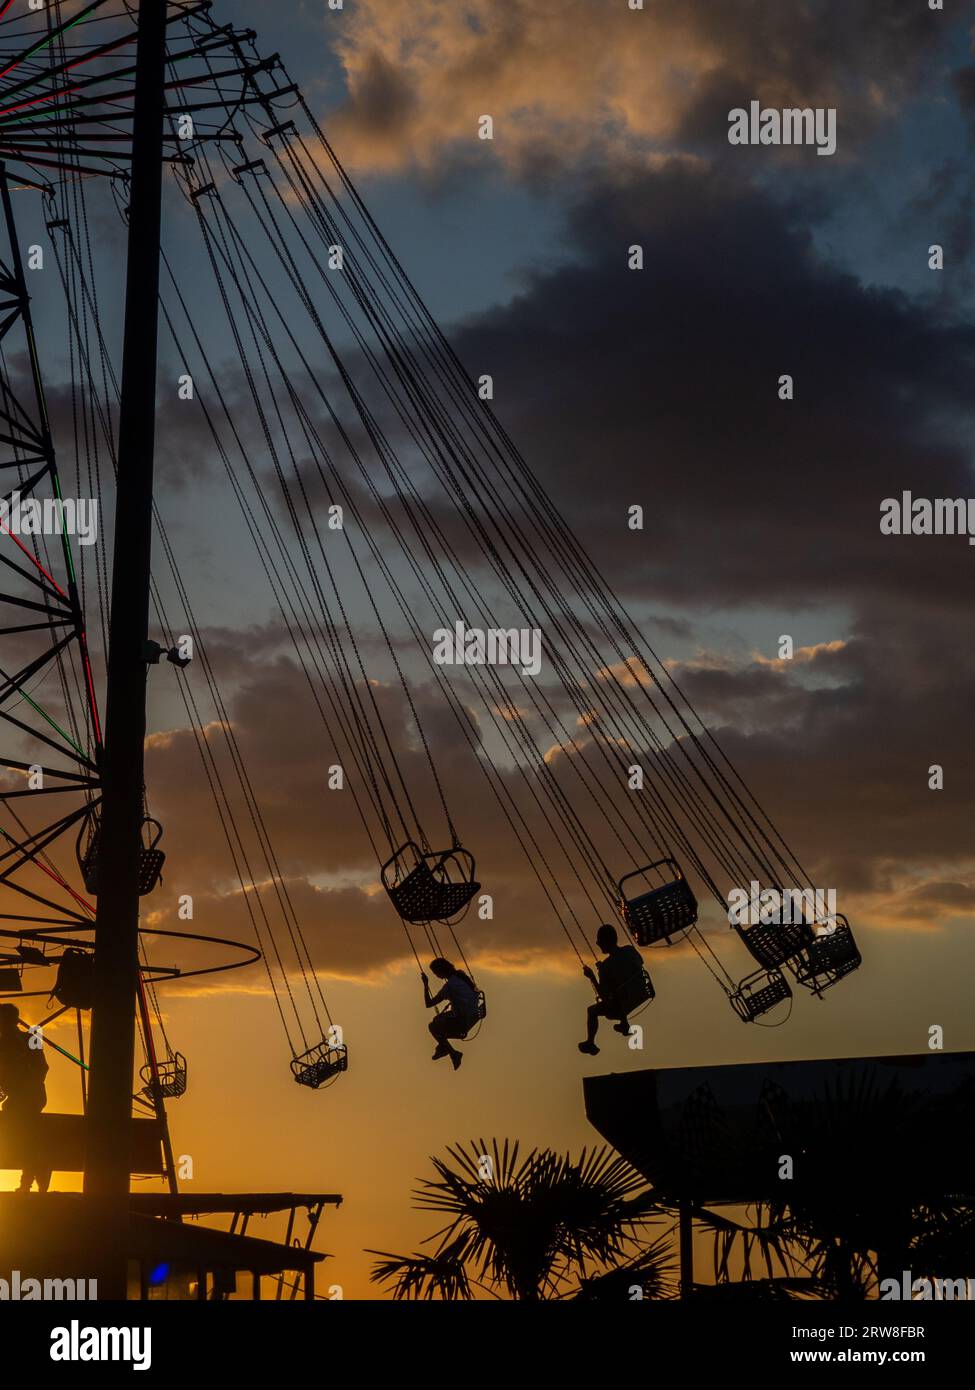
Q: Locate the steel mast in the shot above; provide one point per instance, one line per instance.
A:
(107, 1169)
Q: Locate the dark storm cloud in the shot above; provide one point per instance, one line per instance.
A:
(670, 376)
(948, 204)
(964, 84)
(860, 58)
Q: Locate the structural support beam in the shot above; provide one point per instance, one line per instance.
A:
(686, 1229)
(117, 922)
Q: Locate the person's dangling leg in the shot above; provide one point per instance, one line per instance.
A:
(438, 1026)
(593, 1014)
(454, 1029)
(623, 1026)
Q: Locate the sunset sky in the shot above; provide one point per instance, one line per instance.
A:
(656, 388)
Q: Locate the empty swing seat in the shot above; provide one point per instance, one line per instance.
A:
(662, 912)
(171, 1078)
(774, 943)
(151, 858)
(829, 958)
(435, 887)
(757, 994)
(320, 1064)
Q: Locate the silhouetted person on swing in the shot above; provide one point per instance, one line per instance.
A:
(22, 1072)
(619, 986)
(457, 1020)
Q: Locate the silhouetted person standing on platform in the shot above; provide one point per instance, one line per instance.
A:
(22, 1072)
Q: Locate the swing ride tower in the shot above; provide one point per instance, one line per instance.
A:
(75, 125)
(116, 978)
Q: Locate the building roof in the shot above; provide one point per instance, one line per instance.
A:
(51, 1236)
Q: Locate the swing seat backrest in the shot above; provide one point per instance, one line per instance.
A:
(636, 990)
(759, 993)
(481, 1015)
(435, 887)
(320, 1064)
(662, 912)
(172, 1075)
(151, 860)
(829, 957)
(774, 943)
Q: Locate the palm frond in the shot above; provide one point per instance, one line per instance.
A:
(419, 1276)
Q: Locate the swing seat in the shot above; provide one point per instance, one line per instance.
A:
(171, 1078)
(320, 1064)
(481, 1015)
(759, 993)
(637, 990)
(435, 887)
(74, 986)
(774, 943)
(662, 912)
(151, 859)
(829, 958)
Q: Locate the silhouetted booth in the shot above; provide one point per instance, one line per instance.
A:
(862, 1132)
(58, 1142)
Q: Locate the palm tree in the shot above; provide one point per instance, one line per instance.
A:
(531, 1228)
(851, 1213)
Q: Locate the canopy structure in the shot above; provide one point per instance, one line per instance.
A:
(46, 1238)
(718, 1134)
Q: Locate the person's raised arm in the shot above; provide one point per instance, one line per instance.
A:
(431, 1001)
